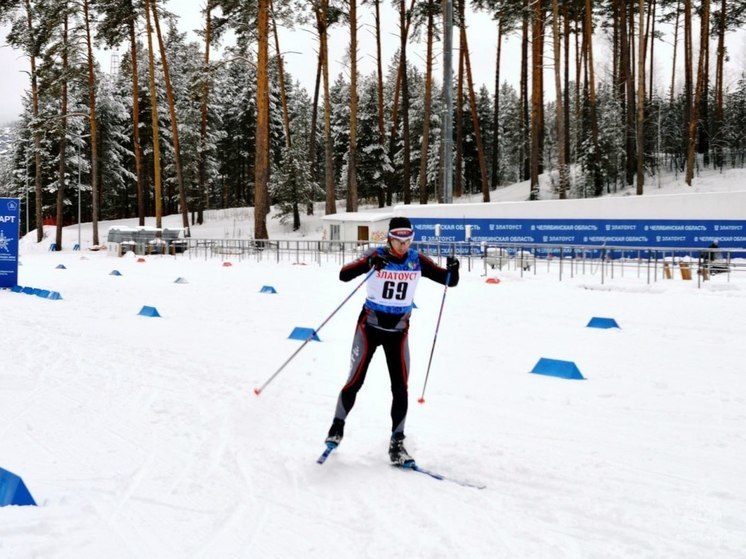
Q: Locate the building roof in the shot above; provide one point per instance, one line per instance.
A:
(359, 217)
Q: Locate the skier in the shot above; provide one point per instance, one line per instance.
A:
(384, 321)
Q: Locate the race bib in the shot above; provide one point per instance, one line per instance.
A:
(392, 291)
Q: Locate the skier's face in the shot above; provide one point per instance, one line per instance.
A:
(399, 246)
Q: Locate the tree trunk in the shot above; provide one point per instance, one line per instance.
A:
(137, 148)
(312, 139)
(650, 35)
(495, 163)
(322, 19)
(703, 135)
(38, 199)
(588, 34)
(397, 86)
(475, 120)
(285, 112)
(627, 91)
(719, 66)
(426, 117)
(540, 106)
(525, 134)
(675, 49)
(642, 49)
(458, 170)
(536, 99)
(352, 157)
(404, 28)
(566, 99)
(204, 188)
(379, 69)
(95, 191)
(281, 79)
(701, 69)
(174, 124)
(687, 76)
(562, 156)
(261, 154)
(154, 120)
(580, 53)
(395, 114)
(63, 137)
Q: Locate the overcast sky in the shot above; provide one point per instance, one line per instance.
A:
(482, 43)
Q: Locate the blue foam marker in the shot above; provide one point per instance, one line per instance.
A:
(267, 289)
(151, 312)
(598, 322)
(557, 368)
(300, 333)
(13, 491)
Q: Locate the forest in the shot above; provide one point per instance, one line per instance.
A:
(168, 129)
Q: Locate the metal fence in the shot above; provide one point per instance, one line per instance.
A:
(565, 261)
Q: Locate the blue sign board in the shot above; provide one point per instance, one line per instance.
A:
(10, 224)
(637, 233)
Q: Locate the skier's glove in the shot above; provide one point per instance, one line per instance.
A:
(377, 261)
(452, 264)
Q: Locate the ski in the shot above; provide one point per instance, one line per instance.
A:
(324, 455)
(440, 477)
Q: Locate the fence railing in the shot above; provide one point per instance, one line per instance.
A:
(566, 261)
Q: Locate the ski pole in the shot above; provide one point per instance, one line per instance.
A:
(421, 399)
(258, 391)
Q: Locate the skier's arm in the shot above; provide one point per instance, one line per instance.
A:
(358, 267)
(431, 270)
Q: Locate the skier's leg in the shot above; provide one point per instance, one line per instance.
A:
(363, 347)
(396, 348)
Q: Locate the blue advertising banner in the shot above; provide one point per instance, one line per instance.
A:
(648, 233)
(10, 223)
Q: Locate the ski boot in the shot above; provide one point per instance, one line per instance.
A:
(397, 453)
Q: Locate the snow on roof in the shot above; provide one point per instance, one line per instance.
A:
(358, 217)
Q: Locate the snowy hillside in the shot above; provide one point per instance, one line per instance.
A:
(238, 222)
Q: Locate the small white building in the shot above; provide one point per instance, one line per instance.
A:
(363, 227)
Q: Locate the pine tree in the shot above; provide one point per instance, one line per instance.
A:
(373, 163)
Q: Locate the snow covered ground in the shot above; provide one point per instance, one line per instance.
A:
(142, 437)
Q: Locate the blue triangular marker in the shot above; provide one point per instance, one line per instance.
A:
(29, 290)
(598, 322)
(181, 280)
(304, 334)
(557, 368)
(61, 267)
(115, 273)
(13, 491)
(17, 289)
(43, 293)
(54, 295)
(267, 289)
(151, 312)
